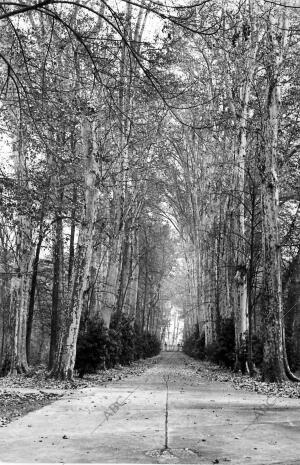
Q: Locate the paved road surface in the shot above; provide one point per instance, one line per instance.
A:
(124, 422)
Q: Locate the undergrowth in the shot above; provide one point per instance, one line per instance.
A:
(121, 344)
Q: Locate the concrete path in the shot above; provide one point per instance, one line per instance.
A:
(124, 422)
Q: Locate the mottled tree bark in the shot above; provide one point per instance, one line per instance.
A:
(58, 300)
(273, 363)
(64, 365)
(14, 357)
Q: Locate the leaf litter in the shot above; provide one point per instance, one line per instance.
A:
(14, 404)
(21, 394)
(215, 373)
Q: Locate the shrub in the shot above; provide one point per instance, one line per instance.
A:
(257, 350)
(123, 343)
(138, 342)
(126, 332)
(194, 345)
(222, 351)
(291, 351)
(91, 346)
(146, 344)
(150, 345)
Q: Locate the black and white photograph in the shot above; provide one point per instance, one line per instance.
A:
(150, 232)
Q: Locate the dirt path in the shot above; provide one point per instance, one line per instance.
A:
(124, 422)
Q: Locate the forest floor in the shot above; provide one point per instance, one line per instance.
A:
(22, 394)
(212, 418)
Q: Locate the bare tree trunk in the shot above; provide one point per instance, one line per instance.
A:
(132, 291)
(14, 358)
(72, 234)
(64, 366)
(241, 116)
(4, 295)
(35, 267)
(124, 275)
(58, 300)
(273, 363)
(110, 287)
